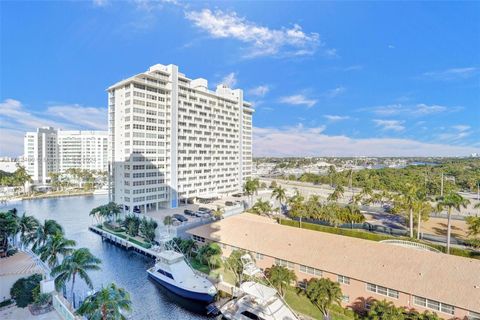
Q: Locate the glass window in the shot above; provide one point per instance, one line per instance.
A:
(435, 305)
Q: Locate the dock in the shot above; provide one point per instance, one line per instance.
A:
(125, 244)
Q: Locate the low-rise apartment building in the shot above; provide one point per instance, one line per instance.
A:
(422, 280)
(49, 150)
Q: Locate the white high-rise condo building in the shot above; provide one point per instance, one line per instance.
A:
(172, 139)
(50, 150)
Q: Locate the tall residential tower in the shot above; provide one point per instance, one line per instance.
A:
(172, 139)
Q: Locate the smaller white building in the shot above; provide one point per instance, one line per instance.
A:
(49, 150)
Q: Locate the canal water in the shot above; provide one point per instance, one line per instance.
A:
(127, 269)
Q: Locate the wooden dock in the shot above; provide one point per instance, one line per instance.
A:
(124, 243)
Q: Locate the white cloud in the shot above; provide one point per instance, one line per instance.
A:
(451, 74)
(391, 46)
(259, 91)
(300, 141)
(262, 40)
(461, 127)
(420, 109)
(298, 99)
(335, 92)
(230, 80)
(394, 125)
(16, 119)
(334, 118)
(100, 3)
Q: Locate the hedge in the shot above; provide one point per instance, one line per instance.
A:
(376, 237)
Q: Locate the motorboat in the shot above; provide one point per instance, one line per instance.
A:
(173, 272)
(259, 302)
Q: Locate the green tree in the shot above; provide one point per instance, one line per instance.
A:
(147, 228)
(27, 225)
(406, 202)
(110, 303)
(423, 209)
(55, 246)
(22, 290)
(279, 194)
(280, 277)
(79, 262)
(473, 223)
(8, 228)
(210, 255)
(451, 201)
(262, 207)
(384, 310)
(324, 293)
(168, 221)
(234, 263)
(45, 230)
(332, 173)
(218, 213)
(336, 194)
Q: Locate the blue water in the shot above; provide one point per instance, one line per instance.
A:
(127, 269)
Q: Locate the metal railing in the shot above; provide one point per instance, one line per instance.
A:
(411, 244)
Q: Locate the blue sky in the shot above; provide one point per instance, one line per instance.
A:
(326, 78)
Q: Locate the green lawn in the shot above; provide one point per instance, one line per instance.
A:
(125, 236)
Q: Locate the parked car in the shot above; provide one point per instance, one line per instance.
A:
(202, 214)
(180, 218)
(136, 210)
(229, 203)
(203, 209)
(237, 195)
(189, 212)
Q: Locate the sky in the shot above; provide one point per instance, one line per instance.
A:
(325, 78)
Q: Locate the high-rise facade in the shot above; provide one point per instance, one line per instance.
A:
(50, 150)
(172, 139)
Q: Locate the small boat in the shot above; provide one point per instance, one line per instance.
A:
(257, 301)
(172, 271)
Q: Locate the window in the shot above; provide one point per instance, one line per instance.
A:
(284, 263)
(343, 279)
(382, 290)
(258, 256)
(473, 315)
(165, 273)
(310, 270)
(197, 238)
(435, 305)
(345, 299)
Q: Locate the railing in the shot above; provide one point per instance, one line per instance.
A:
(64, 308)
(410, 244)
(37, 260)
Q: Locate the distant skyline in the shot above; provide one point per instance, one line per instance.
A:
(326, 78)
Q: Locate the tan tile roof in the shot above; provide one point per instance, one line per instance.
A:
(19, 263)
(445, 278)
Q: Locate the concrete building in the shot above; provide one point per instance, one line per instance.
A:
(172, 139)
(422, 280)
(50, 150)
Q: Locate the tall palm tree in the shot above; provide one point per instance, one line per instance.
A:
(280, 277)
(55, 246)
(337, 193)
(109, 303)
(280, 194)
(79, 262)
(323, 293)
(27, 225)
(451, 201)
(262, 207)
(406, 202)
(423, 210)
(331, 174)
(251, 187)
(473, 223)
(218, 213)
(43, 231)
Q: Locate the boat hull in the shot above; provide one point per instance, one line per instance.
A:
(204, 297)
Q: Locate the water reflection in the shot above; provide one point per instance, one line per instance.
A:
(126, 268)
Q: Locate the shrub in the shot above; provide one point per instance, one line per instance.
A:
(22, 291)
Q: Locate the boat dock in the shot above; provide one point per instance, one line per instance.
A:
(127, 245)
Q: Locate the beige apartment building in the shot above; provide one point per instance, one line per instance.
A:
(366, 270)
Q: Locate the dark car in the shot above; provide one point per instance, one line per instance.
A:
(136, 210)
(180, 218)
(203, 209)
(189, 212)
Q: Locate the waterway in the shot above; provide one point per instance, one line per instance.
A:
(127, 269)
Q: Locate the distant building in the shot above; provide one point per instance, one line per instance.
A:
(366, 270)
(172, 139)
(50, 150)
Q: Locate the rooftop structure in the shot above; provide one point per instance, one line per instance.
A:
(424, 280)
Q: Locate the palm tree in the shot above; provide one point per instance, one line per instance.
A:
(331, 174)
(109, 303)
(40, 236)
(280, 277)
(473, 223)
(451, 201)
(262, 207)
(168, 221)
(384, 310)
(218, 213)
(80, 261)
(406, 201)
(423, 210)
(27, 225)
(280, 194)
(323, 293)
(8, 228)
(336, 194)
(251, 187)
(55, 246)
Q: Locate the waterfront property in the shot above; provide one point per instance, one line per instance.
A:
(366, 270)
(172, 139)
(49, 150)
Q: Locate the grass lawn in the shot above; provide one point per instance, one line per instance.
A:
(125, 236)
(301, 304)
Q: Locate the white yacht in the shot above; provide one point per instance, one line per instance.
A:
(259, 302)
(172, 271)
(255, 301)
